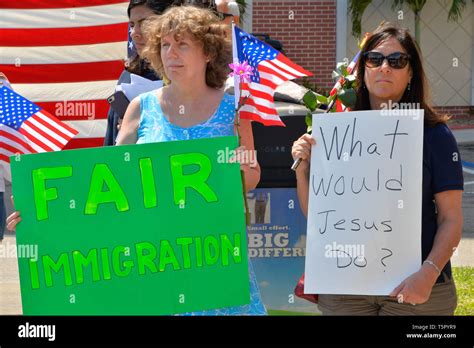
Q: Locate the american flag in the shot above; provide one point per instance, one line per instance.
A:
(131, 50)
(270, 69)
(66, 57)
(350, 68)
(337, 87)
(26, 128)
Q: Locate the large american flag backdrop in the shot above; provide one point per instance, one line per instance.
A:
(66, 57)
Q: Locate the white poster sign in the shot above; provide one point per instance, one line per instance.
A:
(364, 214)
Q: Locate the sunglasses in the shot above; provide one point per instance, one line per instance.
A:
(396, 60)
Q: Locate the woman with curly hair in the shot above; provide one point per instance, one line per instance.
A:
(191, 49)
(391, 72)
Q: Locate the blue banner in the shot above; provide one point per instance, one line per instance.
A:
(277, 246)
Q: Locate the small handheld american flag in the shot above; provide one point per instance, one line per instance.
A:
(25, 128)
(270, 69)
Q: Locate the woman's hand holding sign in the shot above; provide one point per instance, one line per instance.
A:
(416, 289)
(302, 149)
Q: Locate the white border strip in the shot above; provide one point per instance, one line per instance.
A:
(63, 17)
(74, 91)
(89, 129)
(64, 54)
(341, 29)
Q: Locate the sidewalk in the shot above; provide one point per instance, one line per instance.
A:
(463, 257)
(463, 135)
(10, 298)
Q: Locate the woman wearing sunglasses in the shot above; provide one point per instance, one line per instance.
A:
(390, 72)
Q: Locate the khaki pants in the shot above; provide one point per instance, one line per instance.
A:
(442, 301)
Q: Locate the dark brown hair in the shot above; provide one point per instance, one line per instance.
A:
(419, 90)
(136, 64)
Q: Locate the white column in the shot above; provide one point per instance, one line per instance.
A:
(341, 30)
(248, 17)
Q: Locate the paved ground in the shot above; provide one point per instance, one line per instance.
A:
(10, 300)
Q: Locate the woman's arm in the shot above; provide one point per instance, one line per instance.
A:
(129, 129)
(302, 149)
(302, 188)
(417, 287)
(448, 235)
(251, 170)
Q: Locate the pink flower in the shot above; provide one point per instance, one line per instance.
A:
(243, 70)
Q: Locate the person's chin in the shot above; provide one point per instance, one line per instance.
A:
(384, 93)
(171, 75)
(176, 77)
(139, 51)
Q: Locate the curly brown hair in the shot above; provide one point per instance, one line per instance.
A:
(419, 91)
(204, 27)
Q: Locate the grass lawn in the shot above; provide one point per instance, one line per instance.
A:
(464, 278)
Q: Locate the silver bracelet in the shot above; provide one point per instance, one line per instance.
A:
(433, 264)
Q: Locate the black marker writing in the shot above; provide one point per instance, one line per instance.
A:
(394, 136)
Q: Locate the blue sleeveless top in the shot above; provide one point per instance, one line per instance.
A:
(155, 127)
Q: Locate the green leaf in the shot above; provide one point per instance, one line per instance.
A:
(350, 78)
(455, 12)
(322, 99)
(356, 10)
(310, 100)
(344, 70)
(341, 67)
(347, 97)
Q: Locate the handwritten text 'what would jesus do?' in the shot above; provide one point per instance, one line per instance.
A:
(365, 200)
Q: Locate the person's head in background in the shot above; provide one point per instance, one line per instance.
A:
(397, 79)
(228, 10)
(138, 11)
(187, 45)
(224, 9)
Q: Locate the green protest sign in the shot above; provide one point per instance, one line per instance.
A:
(139, 229)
